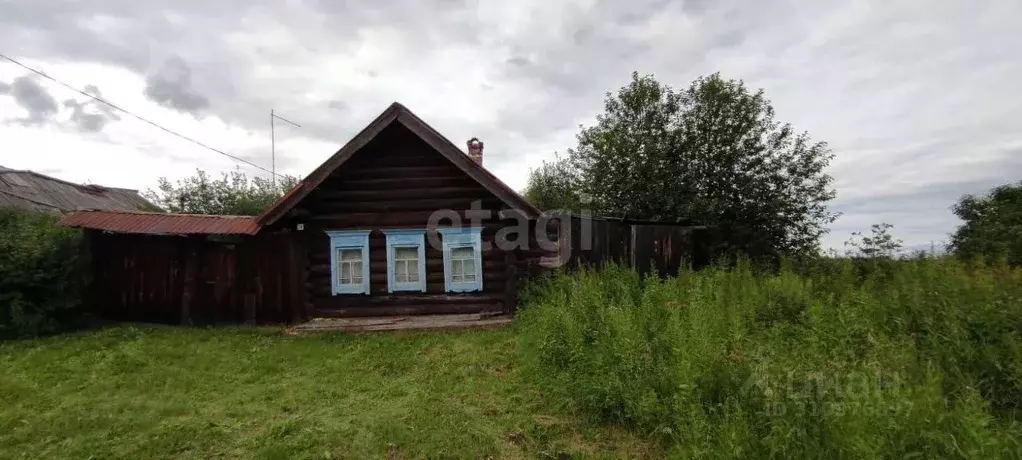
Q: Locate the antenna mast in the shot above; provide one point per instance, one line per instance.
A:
(273, 143)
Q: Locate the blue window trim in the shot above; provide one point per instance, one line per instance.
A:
(415, 238)
(454, 238)
(349, 239)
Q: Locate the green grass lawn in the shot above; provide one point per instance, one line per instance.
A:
(157, 392)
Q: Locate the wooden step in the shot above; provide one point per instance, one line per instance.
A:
(408, 310)
(401, 323)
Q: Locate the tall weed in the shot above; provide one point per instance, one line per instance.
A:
(920, 358)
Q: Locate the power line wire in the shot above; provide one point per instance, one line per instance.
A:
(115, 106)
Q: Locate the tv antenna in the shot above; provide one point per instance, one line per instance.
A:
(273, 143)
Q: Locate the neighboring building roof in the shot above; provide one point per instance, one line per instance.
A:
(154, 223)
(398, 113)
(33, 191)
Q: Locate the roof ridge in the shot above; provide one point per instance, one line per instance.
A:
(397, 113)
(168, 214)
(6, 170)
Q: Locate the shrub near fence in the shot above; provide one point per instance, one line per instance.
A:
(41, 276)
(733, 363)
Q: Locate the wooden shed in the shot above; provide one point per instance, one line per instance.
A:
(399, 221)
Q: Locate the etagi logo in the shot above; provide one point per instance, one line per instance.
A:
(551, 232)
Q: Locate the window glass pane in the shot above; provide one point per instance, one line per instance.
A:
(349, 266)
(412, 268)
(401, 271)
(356, 272)
(463, 265)
(462, 253)
(406, 253)
(406, 265)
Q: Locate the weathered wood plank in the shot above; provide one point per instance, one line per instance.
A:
(410, 298)
(191, 261)
(399, 183)
(379, 220)
(427, 204)
(390, 310)
(402, 323)
(400, 194)
(511, 282)
(399, 171)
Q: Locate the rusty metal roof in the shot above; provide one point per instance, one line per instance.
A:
(154, 223)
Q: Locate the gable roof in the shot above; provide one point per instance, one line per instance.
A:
(398, 113)
(33, 191)
(154, 223)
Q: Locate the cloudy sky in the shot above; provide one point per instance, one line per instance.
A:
(917, 99)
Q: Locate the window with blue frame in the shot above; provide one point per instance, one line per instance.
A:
(349, 261)
(463, 267)
(406, 260)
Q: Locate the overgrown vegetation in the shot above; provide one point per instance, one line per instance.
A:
(917, 359)
(231, 194)
(992, 225)
(136, 392)
(41, 274)
(712, 153)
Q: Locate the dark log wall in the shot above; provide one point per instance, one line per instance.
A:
(283, 274)
(398, 181)
(196, 280)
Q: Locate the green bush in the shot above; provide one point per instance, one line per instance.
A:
(915, 359)
(40, 274)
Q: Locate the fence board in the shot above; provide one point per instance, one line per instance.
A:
(149, 278)
(661, 247)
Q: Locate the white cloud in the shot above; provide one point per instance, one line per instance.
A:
(917, 102)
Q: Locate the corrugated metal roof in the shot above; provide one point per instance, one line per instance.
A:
(154, 223)
(33, 191)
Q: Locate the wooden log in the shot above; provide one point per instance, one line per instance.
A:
(391, 160)
(407, 298)
(321, 288)
(402, 219)
(401, 194)
(433, 265)
(360, 183)
(424, 309)
(511, 283)
(426, 204)
(402, 171)
(296, 283)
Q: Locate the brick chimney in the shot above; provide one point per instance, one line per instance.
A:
(475, 150)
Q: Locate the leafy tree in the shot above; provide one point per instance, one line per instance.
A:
(881, 244)
(553, 185)
(993, 225)
(712, 153)
(231, 194)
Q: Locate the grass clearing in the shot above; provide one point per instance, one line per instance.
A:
(141, 391)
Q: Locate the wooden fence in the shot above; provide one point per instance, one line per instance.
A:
(195, 279)
(643, 245)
